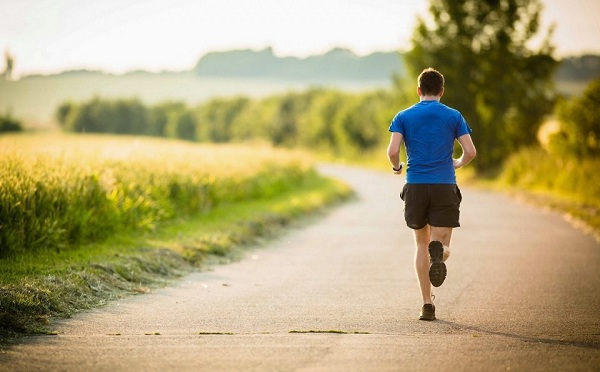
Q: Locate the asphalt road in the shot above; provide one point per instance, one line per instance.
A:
(340, 294)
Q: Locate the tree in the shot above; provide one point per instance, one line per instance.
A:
(317, 125)
(130, 116)
(186, 126)
(217, 117)
(9, 60)
(64, 110)
(104, 116)
(502, 87)
(158, 120)
(579, 133)
(284, 128)
(9, 124)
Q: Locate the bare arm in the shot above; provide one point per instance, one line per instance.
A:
(468, 151)
(393, 151)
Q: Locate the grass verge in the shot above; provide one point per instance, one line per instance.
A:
(37, 287)
(584, 215)
(561, 183)
(333, 331)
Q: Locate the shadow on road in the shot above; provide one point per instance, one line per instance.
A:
(581, 344)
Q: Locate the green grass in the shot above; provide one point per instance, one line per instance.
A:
(333, 331)
(61, 191)
(564, 184)
(87, 219)
(584, 215)
(37, 287)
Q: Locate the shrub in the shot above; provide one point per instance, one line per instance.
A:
(9, 124)
(579, 134)
(536, 169)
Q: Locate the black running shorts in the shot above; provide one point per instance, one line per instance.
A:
(434, 204)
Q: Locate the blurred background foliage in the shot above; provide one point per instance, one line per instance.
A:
(579, 131)
(529, 136)
(9, 124)
(504, 87)
(319, 119)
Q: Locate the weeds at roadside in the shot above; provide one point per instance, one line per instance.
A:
(38, 288)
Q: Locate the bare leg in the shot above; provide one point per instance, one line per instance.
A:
(442, 234)
(422, 239)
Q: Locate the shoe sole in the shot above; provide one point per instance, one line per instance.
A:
(437, 268)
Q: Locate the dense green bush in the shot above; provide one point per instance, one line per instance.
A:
(579, 133)
(568, 165)
(104, 116)
(217, 116)
(536, 169)
(320, 119)
(9, 124)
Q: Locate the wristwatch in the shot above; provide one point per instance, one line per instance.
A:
(397, 169)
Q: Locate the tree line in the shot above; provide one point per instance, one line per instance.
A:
(339, 123)
(503, 87)
(583, 68)
(320, 119)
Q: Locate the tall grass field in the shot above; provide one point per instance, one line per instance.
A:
(561, 182)
(60, 191)
(87, 219)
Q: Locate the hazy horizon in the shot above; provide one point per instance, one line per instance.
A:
(117, 36)
(190, 69)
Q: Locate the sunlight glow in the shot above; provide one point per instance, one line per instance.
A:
(120, 35)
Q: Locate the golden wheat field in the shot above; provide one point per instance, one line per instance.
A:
(58, 190)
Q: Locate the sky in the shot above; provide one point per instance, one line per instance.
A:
(49, 36)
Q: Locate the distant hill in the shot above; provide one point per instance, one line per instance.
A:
(255, 74)
(585, 67)
(337, 64)
(34, 98)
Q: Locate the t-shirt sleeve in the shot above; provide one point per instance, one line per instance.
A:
(462, 128)
(397, 124)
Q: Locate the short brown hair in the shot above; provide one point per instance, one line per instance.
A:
(431, 82)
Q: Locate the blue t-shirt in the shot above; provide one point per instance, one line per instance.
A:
(429, 129)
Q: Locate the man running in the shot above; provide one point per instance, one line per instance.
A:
(431, 195)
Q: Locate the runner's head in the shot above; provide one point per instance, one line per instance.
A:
(431, 82)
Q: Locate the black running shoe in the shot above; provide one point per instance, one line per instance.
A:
(437, 267)
(427, 312)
